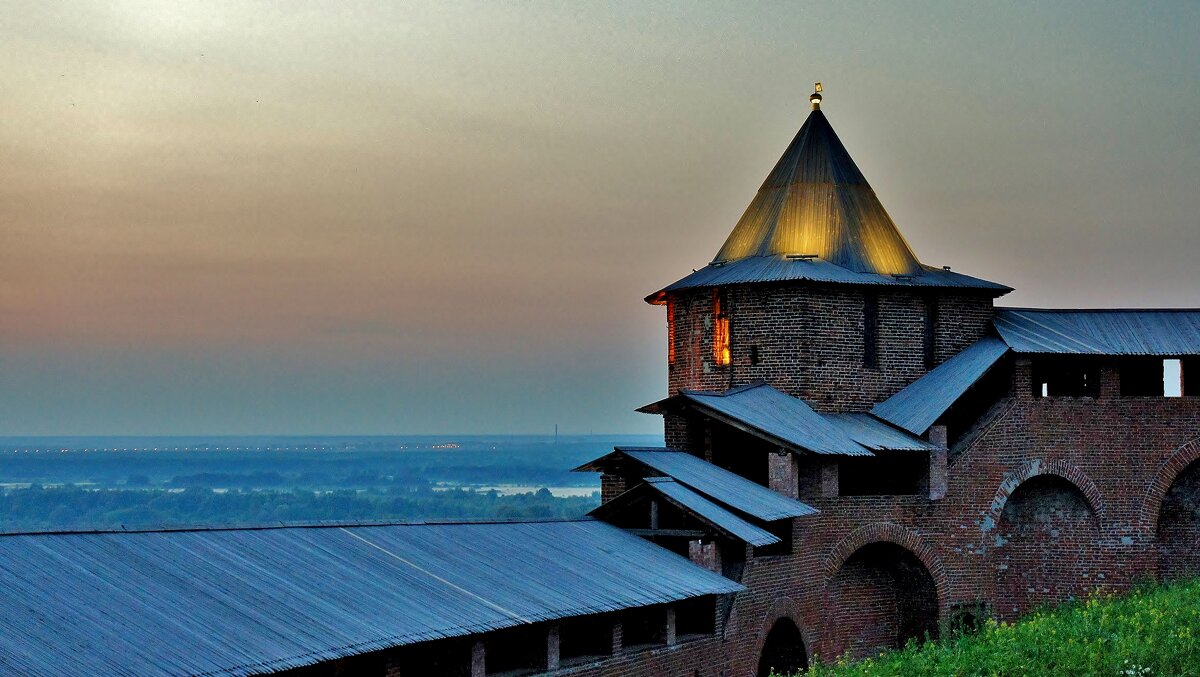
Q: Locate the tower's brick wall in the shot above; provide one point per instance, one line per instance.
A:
(808, 340)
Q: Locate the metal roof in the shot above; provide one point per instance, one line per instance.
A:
(780, 268)
(816, 204)
(239, 601)
(877, 435)
(921, 403)
(816, 201)
(1157, 332)
(699, 507)
(769, 413)
(714, 482)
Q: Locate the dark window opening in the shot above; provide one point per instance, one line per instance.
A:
(741, 453)
(644, 627)
(1189, 377)
(783, 650)
(1142, 377)
(585, 637)
(870, 331)
(930, 333)
(754, 356)
(450, 657)
(782, 529)
(695, 618)
(1066, 378)
(897, 473)
(515, 651)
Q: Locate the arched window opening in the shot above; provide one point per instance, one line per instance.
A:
(1047, 546)
(1179, 527)
(783, 651)
(881, 597)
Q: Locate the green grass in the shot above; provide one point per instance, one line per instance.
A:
(1151, 631)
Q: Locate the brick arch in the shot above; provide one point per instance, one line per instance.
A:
(1030, 469)
(782, 607)
(1166, 474)
(866, 578)
(886, 532)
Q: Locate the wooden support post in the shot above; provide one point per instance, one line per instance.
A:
(618, 637)
(670, 626)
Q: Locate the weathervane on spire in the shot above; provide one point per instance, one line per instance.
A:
(815, 97)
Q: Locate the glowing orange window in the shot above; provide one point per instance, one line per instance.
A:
(720, 331)
(671, 332)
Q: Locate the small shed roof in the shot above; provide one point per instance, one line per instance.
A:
(699, 507)
(878, 435)
(239, 601)
(772, 414)
(1148, 332)
(919, 405)
(718, 484)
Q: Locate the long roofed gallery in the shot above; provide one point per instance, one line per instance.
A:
(860, 449)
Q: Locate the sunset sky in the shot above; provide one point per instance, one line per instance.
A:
(441, 218)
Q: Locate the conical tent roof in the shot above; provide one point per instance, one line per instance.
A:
(816, 219)
(816, 202)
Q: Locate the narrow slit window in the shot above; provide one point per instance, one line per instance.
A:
(721, 353)
(870, 331)
(931, 321)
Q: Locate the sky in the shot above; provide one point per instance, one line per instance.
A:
(373, 218)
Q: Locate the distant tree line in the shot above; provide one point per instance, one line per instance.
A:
(38, 508)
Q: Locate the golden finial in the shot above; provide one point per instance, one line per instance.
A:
(815, 97)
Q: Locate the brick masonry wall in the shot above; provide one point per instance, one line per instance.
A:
(808, 340)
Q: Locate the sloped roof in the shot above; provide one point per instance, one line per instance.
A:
(816, 204)
(876, 434)
(237, 601)
(921, 403)
(780, 268)
(699, 507)
(1149, 332)
(718, 484)
(770, 413)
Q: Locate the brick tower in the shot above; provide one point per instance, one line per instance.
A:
(817, 293)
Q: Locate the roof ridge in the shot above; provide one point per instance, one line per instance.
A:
(431, 522)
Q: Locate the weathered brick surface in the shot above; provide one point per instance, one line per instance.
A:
(808, 340)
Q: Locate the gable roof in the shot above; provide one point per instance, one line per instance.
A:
(237, 601)
(876, 434)
(921, 403)
(699, 507)
(1149, 332)
(769, 413)
(718, 484)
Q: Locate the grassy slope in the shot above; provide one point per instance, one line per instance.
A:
(1153, 631)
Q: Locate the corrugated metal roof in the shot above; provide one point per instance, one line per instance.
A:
(714, 482)
(778, 268)
(877, 435)
(692, 503)
(1157, 332)
(711, 512)
(774, 415)
(918, 406)
(816, 201)
(251, 600)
